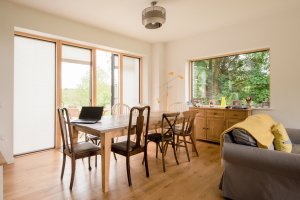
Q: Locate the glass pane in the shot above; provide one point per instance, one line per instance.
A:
(131, 81)
(104, 62)
(75, 86)
(34, 95)
(76, 53)
(234, 77)
(116, 80)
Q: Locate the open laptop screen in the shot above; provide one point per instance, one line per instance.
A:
(89, 112)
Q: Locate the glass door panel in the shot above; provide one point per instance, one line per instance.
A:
(76, 78)
(34, 95)
(131, 81)
(107, 80)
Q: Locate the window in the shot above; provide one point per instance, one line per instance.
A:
(235, 77)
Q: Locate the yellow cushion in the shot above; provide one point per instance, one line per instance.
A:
(282, 141)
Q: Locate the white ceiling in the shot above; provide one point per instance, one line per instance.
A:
(184, 17)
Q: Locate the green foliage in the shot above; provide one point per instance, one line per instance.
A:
(80, 96)
(235, 77)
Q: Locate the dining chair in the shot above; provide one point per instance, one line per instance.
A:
(166, 136)
(186, 132)
(73, 150)
(130, 148)
(120, 109)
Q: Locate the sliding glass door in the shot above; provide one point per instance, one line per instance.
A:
(107, 81)
(34, 95)
(76, 69)
(131, 81)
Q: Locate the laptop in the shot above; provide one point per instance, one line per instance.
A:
(89, 115)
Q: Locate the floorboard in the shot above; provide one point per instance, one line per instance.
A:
(37, 176)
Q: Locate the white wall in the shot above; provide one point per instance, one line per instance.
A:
(281, 33)
(158, 77)
(12, 16)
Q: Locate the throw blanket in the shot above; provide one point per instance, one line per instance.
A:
(258, 126)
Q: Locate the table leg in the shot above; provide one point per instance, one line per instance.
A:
(105, 159)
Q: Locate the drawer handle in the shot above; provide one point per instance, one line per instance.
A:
(235, 115)
(215, 113)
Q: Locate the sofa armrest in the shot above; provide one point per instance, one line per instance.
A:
(294, 135)
(276, 162)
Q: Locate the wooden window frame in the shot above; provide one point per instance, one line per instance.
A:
(58, 83)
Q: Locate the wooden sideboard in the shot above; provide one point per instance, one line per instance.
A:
(211, 122)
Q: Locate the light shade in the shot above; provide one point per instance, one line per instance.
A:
(153, 17)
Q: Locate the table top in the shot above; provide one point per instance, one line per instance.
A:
(116, 122)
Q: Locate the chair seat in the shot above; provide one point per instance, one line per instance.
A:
(85, 147)
(92, 137)
(156, 137)
(122, 146)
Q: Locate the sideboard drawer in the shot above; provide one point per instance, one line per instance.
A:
(236, 114)
(215, 113)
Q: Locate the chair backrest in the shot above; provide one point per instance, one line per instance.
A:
(142, 119)
(168, 123)
(120, 109)
(177, 107)
(65, 127)
(188, 121)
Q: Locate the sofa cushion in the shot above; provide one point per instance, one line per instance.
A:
(241, 136)
(296, 148)
(282, 141)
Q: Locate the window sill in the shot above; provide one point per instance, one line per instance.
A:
(262, 108)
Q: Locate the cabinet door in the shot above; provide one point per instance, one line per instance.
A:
(215, 126)
(199, 129)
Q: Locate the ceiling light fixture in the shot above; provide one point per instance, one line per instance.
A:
(153, 17)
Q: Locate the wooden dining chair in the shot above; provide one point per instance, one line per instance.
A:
(130, 148)
(73, 150)
(120, 109)
(186, 132)
(166, 136)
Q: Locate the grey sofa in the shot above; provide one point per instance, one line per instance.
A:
(256, 174)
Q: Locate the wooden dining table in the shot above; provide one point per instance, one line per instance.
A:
(109, 127)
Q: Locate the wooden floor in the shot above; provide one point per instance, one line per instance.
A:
(37, 176)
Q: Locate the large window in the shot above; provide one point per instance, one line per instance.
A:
(235, 77)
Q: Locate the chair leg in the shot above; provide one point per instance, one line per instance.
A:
(90, 163)
(95, 160)
(194, 145)
(163, 156)
(113, 141)
(173, 146)
(128, 170)
(146, 162)
(186, 148)
(63, 166)
(156, 149)
(73, 173)
(177, 143)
